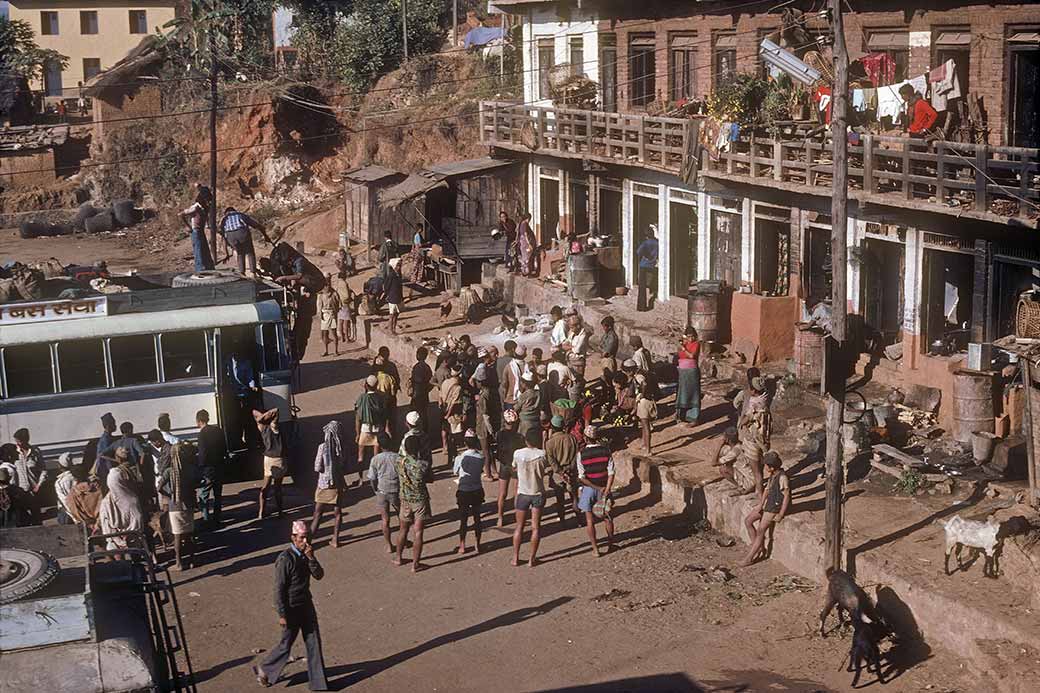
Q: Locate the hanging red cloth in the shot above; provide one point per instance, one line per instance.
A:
(880, 68)
(822, 99)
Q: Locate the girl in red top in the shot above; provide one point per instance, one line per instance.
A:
(688, 393)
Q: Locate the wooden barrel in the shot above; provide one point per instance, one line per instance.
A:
(702, 310)
(972, 404)
(808, 353)
(583, 275)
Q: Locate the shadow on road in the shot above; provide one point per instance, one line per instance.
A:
(342, 677)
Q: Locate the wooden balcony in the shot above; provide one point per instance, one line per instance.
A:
(662, 144)
(979, 181)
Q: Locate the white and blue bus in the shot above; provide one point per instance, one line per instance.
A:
(136, 355)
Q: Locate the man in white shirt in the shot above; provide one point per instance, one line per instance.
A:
(559, 331)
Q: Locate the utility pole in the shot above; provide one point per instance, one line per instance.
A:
(836, 362)
(213, 139)
(404, 27)
(455, 20)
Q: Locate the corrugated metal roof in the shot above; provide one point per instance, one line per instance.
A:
(30, 137)
(142, 323)
(449, 169)
(370, 174)
(411, 187)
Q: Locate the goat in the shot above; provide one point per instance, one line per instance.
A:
(865, 636)
(978, 536)
(843, 592)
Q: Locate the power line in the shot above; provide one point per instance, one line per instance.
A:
(538, 70)
(339, 131)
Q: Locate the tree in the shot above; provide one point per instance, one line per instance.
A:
(358, 41)
(19, 52)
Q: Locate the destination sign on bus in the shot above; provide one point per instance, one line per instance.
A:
(47, 311)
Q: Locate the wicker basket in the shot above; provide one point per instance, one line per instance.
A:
(1027, 318)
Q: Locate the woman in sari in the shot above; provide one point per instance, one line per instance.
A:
(525, 243)
(329, 463)
(120, 511)
(688, 393)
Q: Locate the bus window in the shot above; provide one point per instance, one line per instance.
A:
(273, 358)
(27, 369)
(133, 360)
(184, 355)
(81, 365)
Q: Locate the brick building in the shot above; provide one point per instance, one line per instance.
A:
(941, 234)
(32, 156)
(126, 91)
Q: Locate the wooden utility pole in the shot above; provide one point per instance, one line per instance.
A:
(836, 362)
(455, 20)
(213, 139)
(404, 27)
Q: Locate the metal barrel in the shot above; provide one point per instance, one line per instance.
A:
(702, 310)
(972, 404)
(808, 354)
(583, 275)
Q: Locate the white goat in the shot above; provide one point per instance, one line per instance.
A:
(975, 535)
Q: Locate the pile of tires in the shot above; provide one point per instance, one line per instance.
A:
(35, 229)
(121, 215)
(205, 278)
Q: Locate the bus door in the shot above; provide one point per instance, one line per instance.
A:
(275, 373)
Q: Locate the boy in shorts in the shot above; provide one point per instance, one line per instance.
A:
(412, 473)
(369, 420)
(772, 506)
(596, 473)
(529, 466)
(274, 462)
(382, 473)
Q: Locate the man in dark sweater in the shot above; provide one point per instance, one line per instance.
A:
(293, 571)
(212, 459)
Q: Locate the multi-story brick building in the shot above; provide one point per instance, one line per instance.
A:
(942, 234)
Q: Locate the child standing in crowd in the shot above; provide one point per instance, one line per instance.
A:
(772, 506)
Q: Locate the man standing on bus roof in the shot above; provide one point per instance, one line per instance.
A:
(196, 216)
(31, 471)
(212, 459)
(235, 227)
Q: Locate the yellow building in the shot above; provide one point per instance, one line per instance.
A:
(95, 35)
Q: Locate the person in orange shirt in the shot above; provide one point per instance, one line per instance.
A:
(920, 113)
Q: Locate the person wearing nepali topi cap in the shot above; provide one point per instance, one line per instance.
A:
(293, 570)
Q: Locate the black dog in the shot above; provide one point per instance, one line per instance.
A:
(865, 637)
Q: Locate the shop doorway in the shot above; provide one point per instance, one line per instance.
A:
(682, 220)
(610, 213)
(549, 218)
(772, 257)
(725, 247)
(948, 284)
(1025, 104)
(1011, 277)
(579, 211)
(882, 269)
(644, 214)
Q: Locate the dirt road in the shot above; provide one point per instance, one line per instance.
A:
(667, 611)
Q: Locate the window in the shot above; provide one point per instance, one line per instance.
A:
(273, 357)
(896, 45)
(81, 365)
(956, 46)
(641, 58)
(577, 46)
(27, 370)
(88, 22)
(725, 58)
(1023, 48)
(682, 68)
(184, 355)
(91, 68)
(49, 23)
(546, 61)
(138, 22)
(133, 360)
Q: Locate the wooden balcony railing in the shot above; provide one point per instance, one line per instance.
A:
(663, 144)
(947, 177)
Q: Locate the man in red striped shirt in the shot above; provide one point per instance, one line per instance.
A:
(596, 471)
(920, 113)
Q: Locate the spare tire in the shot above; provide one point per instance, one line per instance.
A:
(99, 222)
(26, 572)
(206, 278)
(125, 212)
(85, 211)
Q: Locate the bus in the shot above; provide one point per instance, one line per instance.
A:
(139, 354)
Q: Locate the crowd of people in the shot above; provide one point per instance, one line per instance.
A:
(134, 492)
